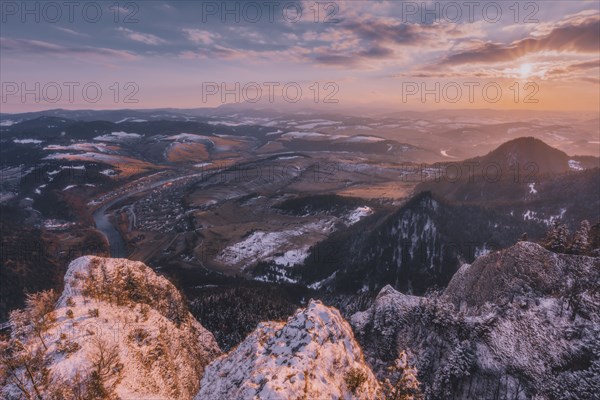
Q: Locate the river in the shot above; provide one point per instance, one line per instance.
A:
(115, 240)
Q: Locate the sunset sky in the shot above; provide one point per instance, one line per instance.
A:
(373, 51)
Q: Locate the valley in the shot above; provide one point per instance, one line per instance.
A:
(284, 198)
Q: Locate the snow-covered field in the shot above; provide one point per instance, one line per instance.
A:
(225, 123)
(549, 220)
(108, 172)
(305, 135)
(364, 139)
(445, 154)
(127, 163)
(312, 124)
(532, 189)
(118, 137)
(27, 141)
(358, 214)
(131, 119)
(285, 248)
(263, 246)
(89, 147)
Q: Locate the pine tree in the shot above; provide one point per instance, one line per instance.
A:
(551, 236)
(40, 309)
(580, 242)
(594, 240)
(458, 366)
(563, 235)
(402, 382)
(557, 238)
(24, 367)
(95, 387)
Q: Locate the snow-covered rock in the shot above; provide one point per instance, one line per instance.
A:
(523, 270)
(309, 356)
(139, 320)
(519, 323)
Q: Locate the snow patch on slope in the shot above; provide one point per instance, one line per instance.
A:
(575, 165)
(358, 214)
(264, 246)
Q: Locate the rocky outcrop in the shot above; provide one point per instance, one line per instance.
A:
(519, 323)
(118, 329)
(311, 356)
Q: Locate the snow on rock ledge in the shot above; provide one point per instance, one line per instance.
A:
(309, 357)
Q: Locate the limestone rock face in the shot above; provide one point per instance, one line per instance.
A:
(309, 356)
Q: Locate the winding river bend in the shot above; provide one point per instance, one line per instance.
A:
(115, 240)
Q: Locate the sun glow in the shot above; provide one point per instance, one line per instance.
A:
(525, 70)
